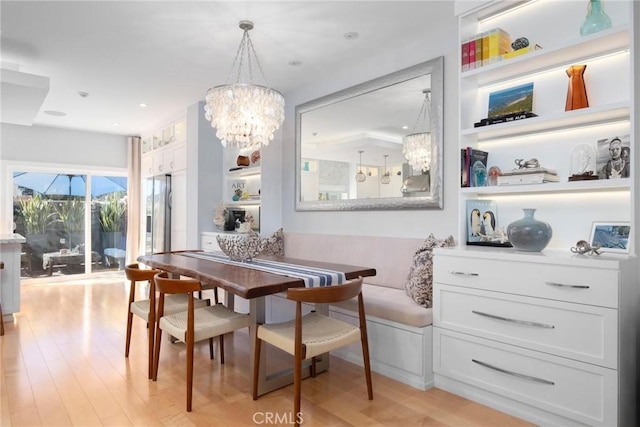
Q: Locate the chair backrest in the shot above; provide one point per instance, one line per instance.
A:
(166, 285)
(136, 274)
(327, 294)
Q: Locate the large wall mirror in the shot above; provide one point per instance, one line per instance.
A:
(359, 131)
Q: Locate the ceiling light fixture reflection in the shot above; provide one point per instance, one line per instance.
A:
(244, 115)
(360, 176)
(416, 146)
(386, 178)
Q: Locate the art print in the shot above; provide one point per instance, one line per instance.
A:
(613, 157)
(516, 99)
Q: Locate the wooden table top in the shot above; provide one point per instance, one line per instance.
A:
(244, 282)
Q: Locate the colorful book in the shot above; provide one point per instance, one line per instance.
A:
(472, 53)
(499, 44)
(464, 48)
(527, 171)
(485, 48)
(514, 53)
(478, 40)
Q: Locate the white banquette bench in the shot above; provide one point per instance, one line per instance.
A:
(400, 331)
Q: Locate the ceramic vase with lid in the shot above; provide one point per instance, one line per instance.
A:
(528, 234)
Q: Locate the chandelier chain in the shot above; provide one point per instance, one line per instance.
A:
(424, 112)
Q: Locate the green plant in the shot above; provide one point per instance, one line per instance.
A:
(112, 213)
(37, 214)
(71, 215)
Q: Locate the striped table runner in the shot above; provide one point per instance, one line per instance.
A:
(312, 277)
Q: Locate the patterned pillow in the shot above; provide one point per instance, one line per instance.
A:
(274, 244)
(419, 284)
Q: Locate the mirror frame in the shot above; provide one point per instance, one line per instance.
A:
(434, 67)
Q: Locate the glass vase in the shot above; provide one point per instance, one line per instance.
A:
(528, 234)
(597, 19)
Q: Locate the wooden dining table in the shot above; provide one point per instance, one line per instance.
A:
(253, 285)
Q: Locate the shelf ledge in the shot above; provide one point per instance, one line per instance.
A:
(600, 185)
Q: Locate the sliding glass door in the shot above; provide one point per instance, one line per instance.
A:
(74, 223)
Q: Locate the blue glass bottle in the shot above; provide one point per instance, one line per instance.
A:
(596, 20)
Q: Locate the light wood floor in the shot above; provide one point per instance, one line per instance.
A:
(63, 364)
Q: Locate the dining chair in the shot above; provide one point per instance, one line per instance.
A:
(194, 325)
(140, 308)
(314, 334)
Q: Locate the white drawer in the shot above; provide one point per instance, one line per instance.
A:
(595, 286)
(208, 242)
(577, 331)
(575, 390)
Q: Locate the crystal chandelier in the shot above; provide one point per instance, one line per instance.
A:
(386, 177)
(416, 147)
(245, 115)
(360, 176)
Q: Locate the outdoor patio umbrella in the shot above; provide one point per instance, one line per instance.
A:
(69, 184)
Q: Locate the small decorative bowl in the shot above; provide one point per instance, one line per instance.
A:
(240, 247)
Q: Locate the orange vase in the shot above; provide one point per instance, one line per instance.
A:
(577, 92)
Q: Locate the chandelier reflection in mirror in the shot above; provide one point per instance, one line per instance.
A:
(416, 147)
(244, 115)
(360, 176)
(386, 178)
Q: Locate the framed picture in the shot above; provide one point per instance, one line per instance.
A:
(482, 224)
(611, 236)
(515, 99)
(613, 157)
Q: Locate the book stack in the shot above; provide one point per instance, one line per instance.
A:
(473, 167)
(528, 176)
(485, 48)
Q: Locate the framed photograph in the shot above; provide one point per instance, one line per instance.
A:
(482, 224)
(611, 236)
(515, 99)
(613, 157)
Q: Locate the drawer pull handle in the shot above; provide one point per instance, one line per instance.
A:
(562, 285)
(462, 273)
(515, 374)
(519, 322)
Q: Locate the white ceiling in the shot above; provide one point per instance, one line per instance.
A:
(167, 54)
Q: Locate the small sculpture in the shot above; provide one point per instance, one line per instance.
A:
(531, 163)
(583, 247)
(520, 43)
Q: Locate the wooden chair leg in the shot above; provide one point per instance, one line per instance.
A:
(313, 367)
(222, 349)
(189, 372)
(151, 334)
(128, 342)
(1, 321)
(211, 348)
(367, 365)
(297, 386)
(156, 352)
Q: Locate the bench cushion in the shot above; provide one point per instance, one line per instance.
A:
(390, 304)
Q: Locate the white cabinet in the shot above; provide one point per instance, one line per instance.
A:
(554, 133)
(543, 337)
(179, 206)
(165, 150)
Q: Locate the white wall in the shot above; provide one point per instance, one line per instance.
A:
(400, 223)
(54, 149)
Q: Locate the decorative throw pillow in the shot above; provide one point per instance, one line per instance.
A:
(274, 244)
(419, 284)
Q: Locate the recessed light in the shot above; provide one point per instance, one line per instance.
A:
(405, 127)
(142, 104)
(83, 94)
(295, 63)
(351, 35)
(55, 113)
(116, 124)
